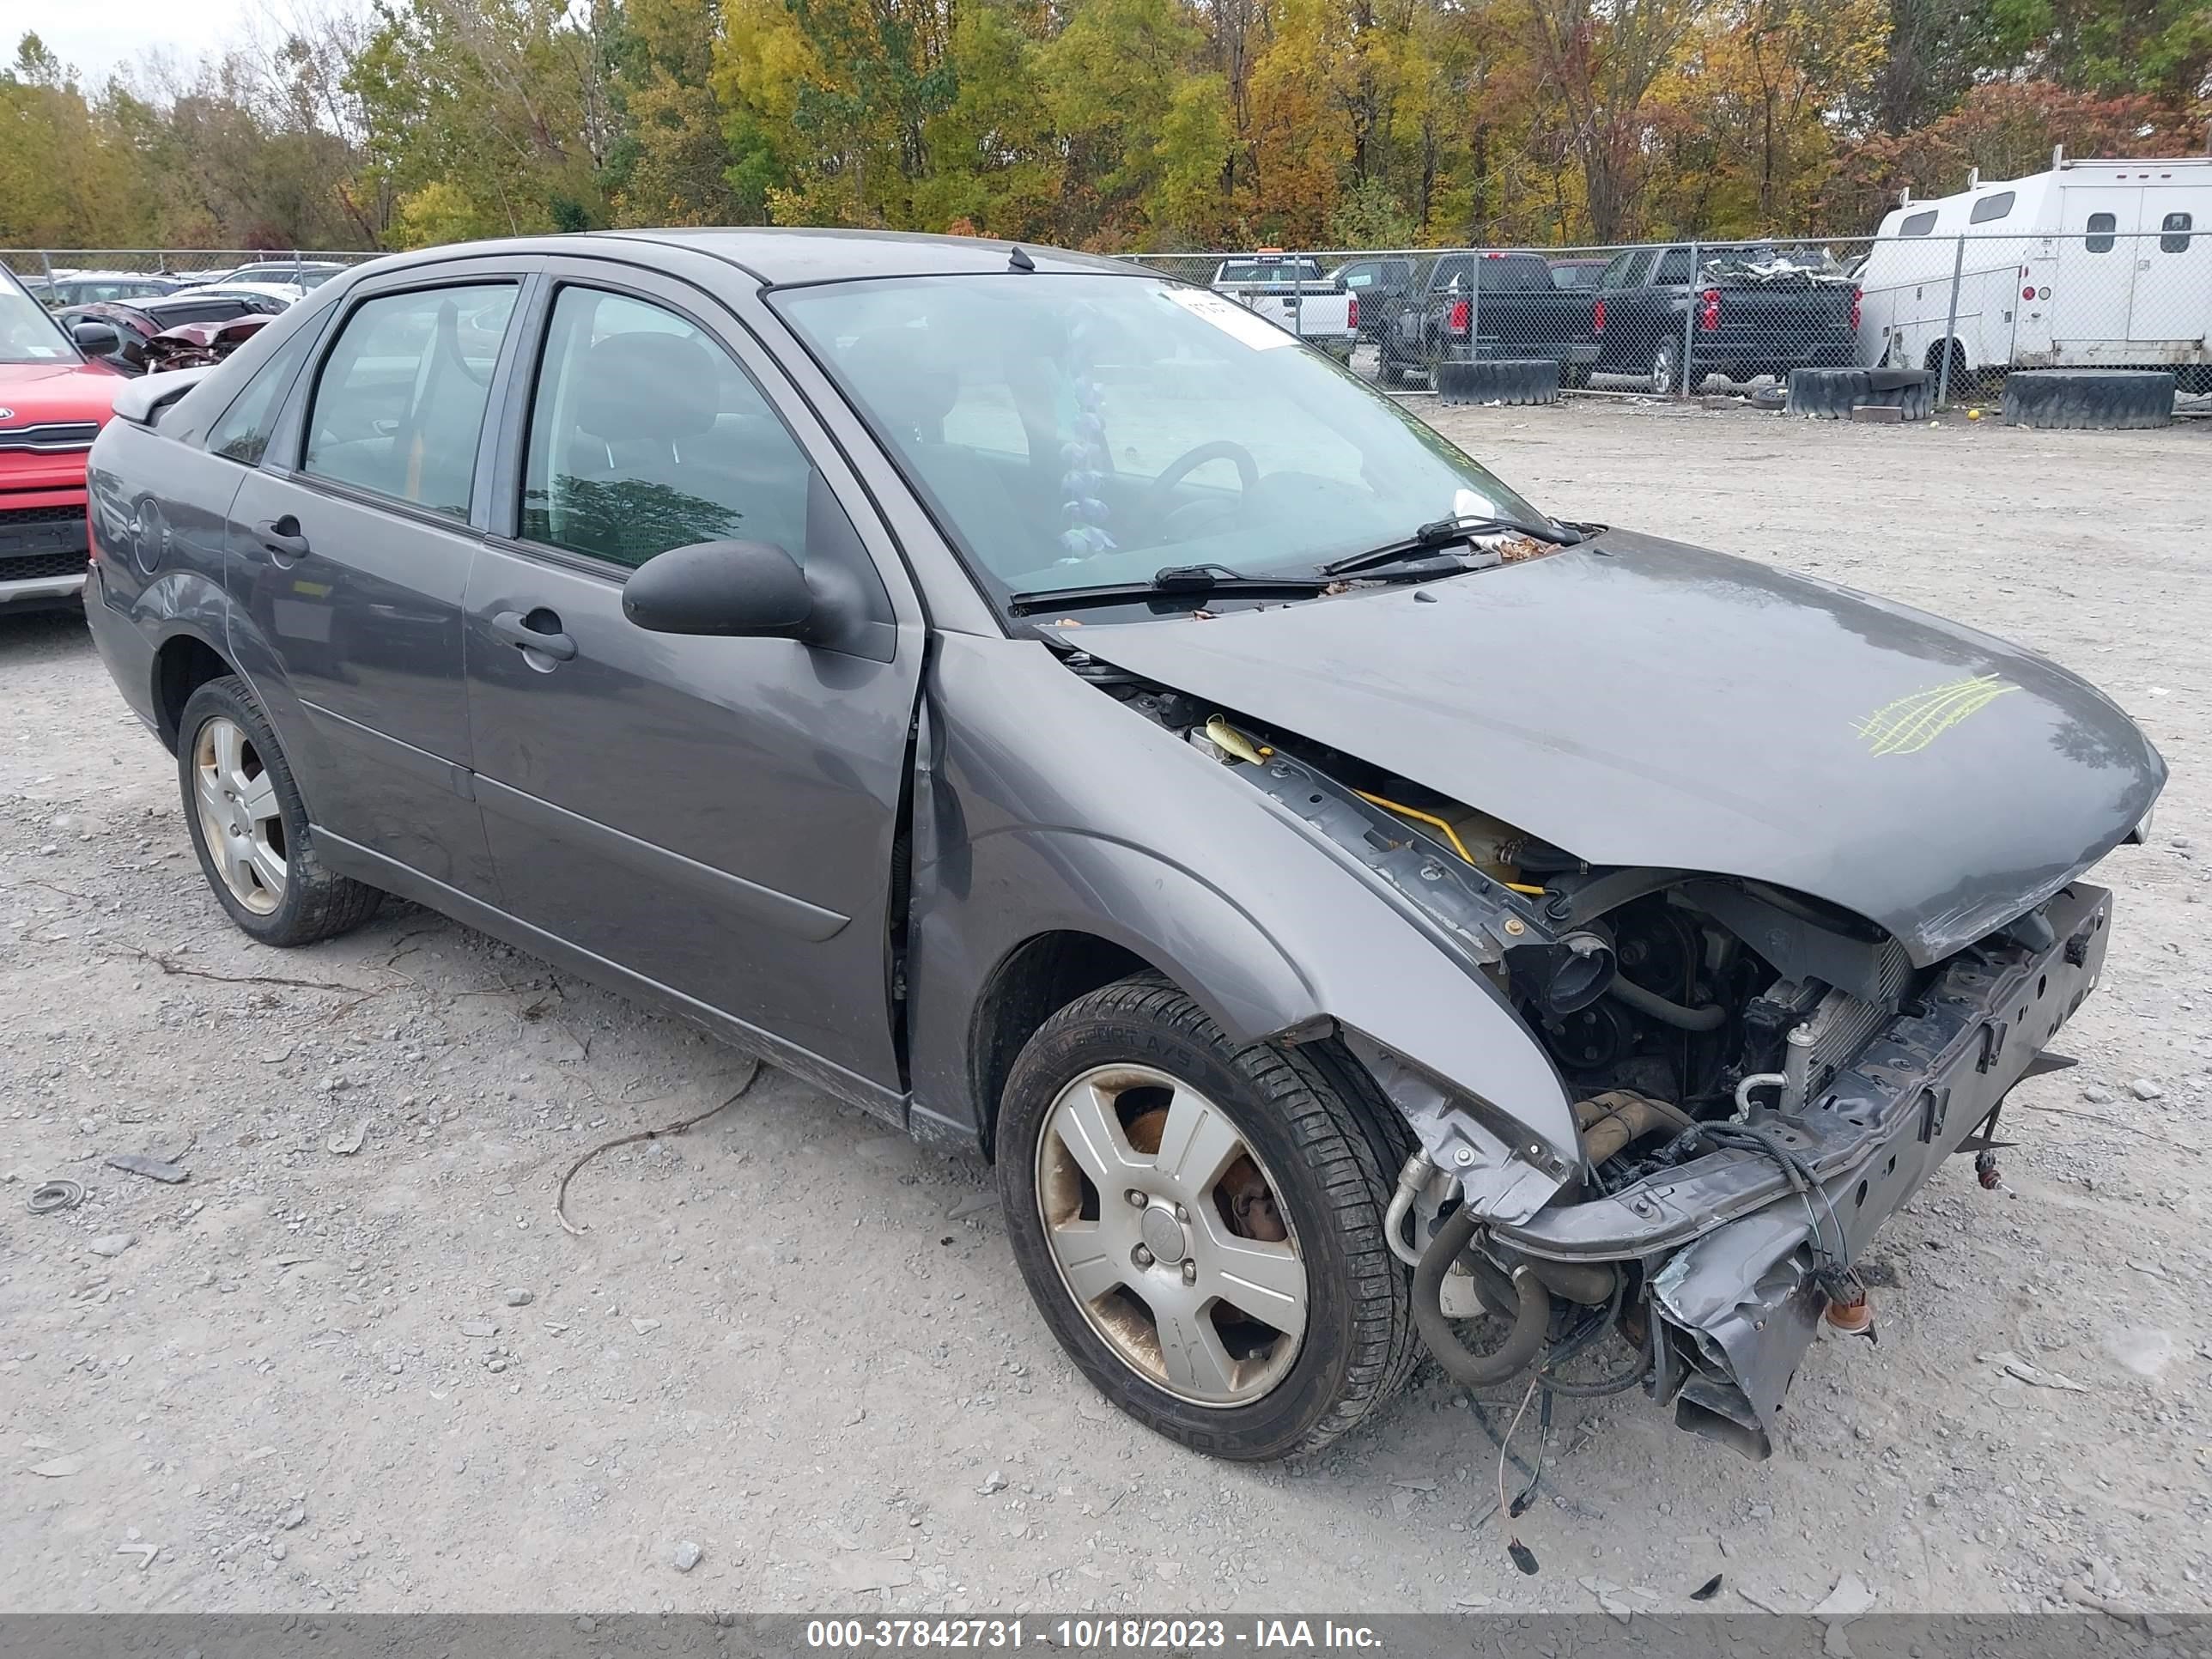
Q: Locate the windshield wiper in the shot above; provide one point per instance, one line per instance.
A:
(1442, 532)
(1170, 579)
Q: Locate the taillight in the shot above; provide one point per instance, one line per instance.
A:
(1597, 318)
(1456, 319)
(2028, 293)
(1352, 311)
(1709, 312)
(1858, 295)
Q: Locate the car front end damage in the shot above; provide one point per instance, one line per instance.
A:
(1759, 1077)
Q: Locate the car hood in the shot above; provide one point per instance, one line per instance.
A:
(1638, 701)
(39, 392)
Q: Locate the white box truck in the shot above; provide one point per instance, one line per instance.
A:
(2092, 265)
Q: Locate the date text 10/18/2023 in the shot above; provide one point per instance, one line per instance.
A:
(1090, 1635)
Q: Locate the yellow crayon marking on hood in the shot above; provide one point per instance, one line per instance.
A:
(1911, 724)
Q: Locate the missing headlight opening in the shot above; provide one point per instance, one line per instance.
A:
(1761, 1079)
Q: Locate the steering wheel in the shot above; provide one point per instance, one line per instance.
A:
(1248, 469)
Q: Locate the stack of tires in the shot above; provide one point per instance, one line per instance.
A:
(1831, 394)
(1503, 380)
(2106, 398)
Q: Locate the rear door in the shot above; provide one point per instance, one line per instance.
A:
(351, 550)
(2094, 288)
(714, 816)
(2173, 274)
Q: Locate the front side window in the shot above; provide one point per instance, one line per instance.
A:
(2098, 237)
(2174, 233)
(400, 402)
(646, 436)
(1990, 208)
(242, 432)
(1069, 430)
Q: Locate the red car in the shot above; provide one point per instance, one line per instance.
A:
(54, 397)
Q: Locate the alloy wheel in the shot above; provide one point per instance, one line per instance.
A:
(1168, 1232)
(240, 819)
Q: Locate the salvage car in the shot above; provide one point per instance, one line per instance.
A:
(1033, 700)
(54, 394)
(176, 330)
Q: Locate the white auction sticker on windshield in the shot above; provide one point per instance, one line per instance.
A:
(1230, 318)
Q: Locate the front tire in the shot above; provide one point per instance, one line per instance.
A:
(250, 827)
(1200, 1224)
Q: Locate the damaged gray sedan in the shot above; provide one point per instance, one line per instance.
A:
(1050, 708)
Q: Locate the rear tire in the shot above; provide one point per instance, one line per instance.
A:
(1139, 1062)
(250, 827)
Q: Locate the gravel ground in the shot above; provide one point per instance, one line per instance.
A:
(354, 1362)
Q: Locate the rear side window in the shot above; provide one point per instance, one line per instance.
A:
(1918, 224)
(2098, 233)
(400, 403)
(1452, 273)
(1673, 267)
(1991, 206)
(2174, 233)
(242, 432)
(645, 435)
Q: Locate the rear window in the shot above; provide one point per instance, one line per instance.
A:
(1628, 269)
(1991, 206)
(1577, 275)
(1517, 273)
(1918, 224)
(1673, 267)
(1269, 270)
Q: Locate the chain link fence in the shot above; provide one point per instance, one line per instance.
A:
(87, 275)
(1952, 314)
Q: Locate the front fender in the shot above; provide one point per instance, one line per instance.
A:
(1117, 829)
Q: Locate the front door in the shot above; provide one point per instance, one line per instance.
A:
(714, 816)
(354, 553)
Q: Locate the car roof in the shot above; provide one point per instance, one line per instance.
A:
(233, 290)
(782, 258)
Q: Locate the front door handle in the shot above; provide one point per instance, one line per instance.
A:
(283, 538)
(540, 631)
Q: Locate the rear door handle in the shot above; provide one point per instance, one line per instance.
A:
(282, 538)
(540, 631)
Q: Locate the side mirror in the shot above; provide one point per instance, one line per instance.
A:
(96, 339)
(732, 589)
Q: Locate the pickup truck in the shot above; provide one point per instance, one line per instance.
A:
(1290, 290)
(1495, 304)
(1750, 310)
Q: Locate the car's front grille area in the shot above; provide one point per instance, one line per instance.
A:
(62, 515)
(48, 438)
(32, 566)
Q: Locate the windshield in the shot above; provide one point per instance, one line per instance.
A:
(1073, 430)
(29, 333)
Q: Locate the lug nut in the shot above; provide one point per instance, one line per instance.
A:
(1181, 1214)
(1135, 1198)
(1190, 1273)
(1141, 1256)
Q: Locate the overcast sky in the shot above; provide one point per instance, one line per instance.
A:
(100, 36)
